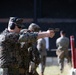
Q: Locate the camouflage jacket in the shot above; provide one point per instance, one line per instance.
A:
(62, 43)
(8, 48)
(34, 54)
(27, 53)
(14, 49)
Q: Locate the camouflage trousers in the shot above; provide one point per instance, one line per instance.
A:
(61, 54)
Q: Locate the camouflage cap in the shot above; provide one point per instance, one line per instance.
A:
(34, 27)
(23, 30)
(16, 20)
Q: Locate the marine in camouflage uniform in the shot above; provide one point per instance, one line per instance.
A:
(10, 53)
(33, 27)
(9, 48)
(62, 44)
(31, 37)
(28, 54)
(33, 53)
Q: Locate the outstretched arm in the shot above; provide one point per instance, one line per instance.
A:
(48, 33)
(31, 37)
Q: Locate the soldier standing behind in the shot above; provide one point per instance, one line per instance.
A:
(62, 44)
(41, 46)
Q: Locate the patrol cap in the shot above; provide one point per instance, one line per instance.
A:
(23, 30)
(34, 27)
(15, 21)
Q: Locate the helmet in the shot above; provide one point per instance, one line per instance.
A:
(15, 21)
(34, 27)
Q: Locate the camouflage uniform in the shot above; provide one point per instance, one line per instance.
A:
(34, 59)
(33, 52)
(27, 39)
(41, 46)
(9, 52)
(10, 47)
(62, 44)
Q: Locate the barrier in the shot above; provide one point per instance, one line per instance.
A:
(73, 51)
(73, 54)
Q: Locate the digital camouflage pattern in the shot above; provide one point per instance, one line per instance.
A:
(9, 52)
(14, 53)
(33, 27)
(62, 52)
(33, 52)
(34, 59)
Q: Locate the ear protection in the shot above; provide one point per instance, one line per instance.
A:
(12, 25)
